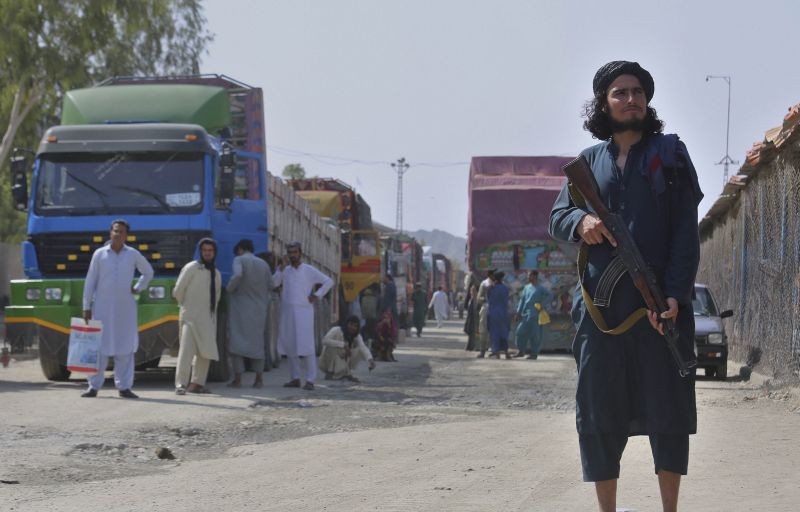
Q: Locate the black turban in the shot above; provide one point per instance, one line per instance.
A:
(609, 72)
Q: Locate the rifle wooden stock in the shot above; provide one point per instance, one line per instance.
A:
(582, 179)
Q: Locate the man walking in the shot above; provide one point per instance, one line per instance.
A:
(420, 303)
(529, 332)
(296, 328)
(249, 289)
(441, 306)
(108, 296)
(197, 291)
(628, 384)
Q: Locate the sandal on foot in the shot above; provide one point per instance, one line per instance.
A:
(309, 386)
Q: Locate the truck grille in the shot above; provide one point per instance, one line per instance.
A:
(69, 254)
(701, 340)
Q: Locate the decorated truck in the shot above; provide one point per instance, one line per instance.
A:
(402, 256)
(180, 158)
(510, 199)
(360, 242)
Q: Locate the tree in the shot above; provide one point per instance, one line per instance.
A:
(51, 46)
(294, 172)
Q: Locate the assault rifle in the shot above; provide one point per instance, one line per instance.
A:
(627, 258)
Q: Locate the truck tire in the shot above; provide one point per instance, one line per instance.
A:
(722, 372)
(219, 371)
(51, 366)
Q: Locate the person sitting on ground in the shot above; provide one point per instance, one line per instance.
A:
(342, 350)
(384, 344)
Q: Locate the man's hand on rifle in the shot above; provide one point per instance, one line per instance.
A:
(672, 313)
(592, 230)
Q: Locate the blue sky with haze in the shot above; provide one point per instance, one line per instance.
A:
(438, 82)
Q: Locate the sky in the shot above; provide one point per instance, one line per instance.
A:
(351, 86)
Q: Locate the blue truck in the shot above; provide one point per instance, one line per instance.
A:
(180, 158)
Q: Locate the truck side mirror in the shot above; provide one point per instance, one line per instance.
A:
(227, 177)
(19, 182)
(727, 313)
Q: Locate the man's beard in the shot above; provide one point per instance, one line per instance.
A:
(632, 125)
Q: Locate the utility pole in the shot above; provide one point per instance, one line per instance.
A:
(726, 160)
(401, 166)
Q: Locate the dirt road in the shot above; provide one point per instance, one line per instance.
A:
(439, 430)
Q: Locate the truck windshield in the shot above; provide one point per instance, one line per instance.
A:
(702, 303)
(117, 183)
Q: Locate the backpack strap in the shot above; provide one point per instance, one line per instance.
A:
(594, 312)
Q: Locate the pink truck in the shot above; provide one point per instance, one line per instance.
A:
(510, 199)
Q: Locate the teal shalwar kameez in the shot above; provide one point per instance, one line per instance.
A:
(529, 332)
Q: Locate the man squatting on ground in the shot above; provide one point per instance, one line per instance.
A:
(296, 327)
(629, 384)
(108, 297)
(342, 350)
(197, 291)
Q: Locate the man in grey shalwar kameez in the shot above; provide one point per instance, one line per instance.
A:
(249, 290)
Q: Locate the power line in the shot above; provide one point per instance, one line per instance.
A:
(333, 160)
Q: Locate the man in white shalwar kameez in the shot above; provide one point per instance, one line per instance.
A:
(197, 291)
(296, 327)
(342, 350)
(483, 312)
(441, 306)
(108, 296)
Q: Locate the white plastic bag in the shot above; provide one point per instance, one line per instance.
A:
(84, 345)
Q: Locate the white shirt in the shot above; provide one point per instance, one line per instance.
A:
(107, 292)
(298, 283)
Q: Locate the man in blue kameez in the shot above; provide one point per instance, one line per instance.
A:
(628, 383)
(534, 298)
(498, 318)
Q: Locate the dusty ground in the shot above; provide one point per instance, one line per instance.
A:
(438, 430)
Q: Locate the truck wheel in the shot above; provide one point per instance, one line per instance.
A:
(710, 371)
(722, 372)
(51, 366)
(218, 371)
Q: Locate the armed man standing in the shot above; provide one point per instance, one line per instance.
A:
(628, 381)
(108, 296)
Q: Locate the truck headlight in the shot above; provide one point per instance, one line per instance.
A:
(52, 293)
(156, 292)
(33, 294)
(715, 338)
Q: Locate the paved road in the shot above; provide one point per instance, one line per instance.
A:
(439, 430)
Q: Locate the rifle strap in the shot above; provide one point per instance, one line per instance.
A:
(594, 312)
